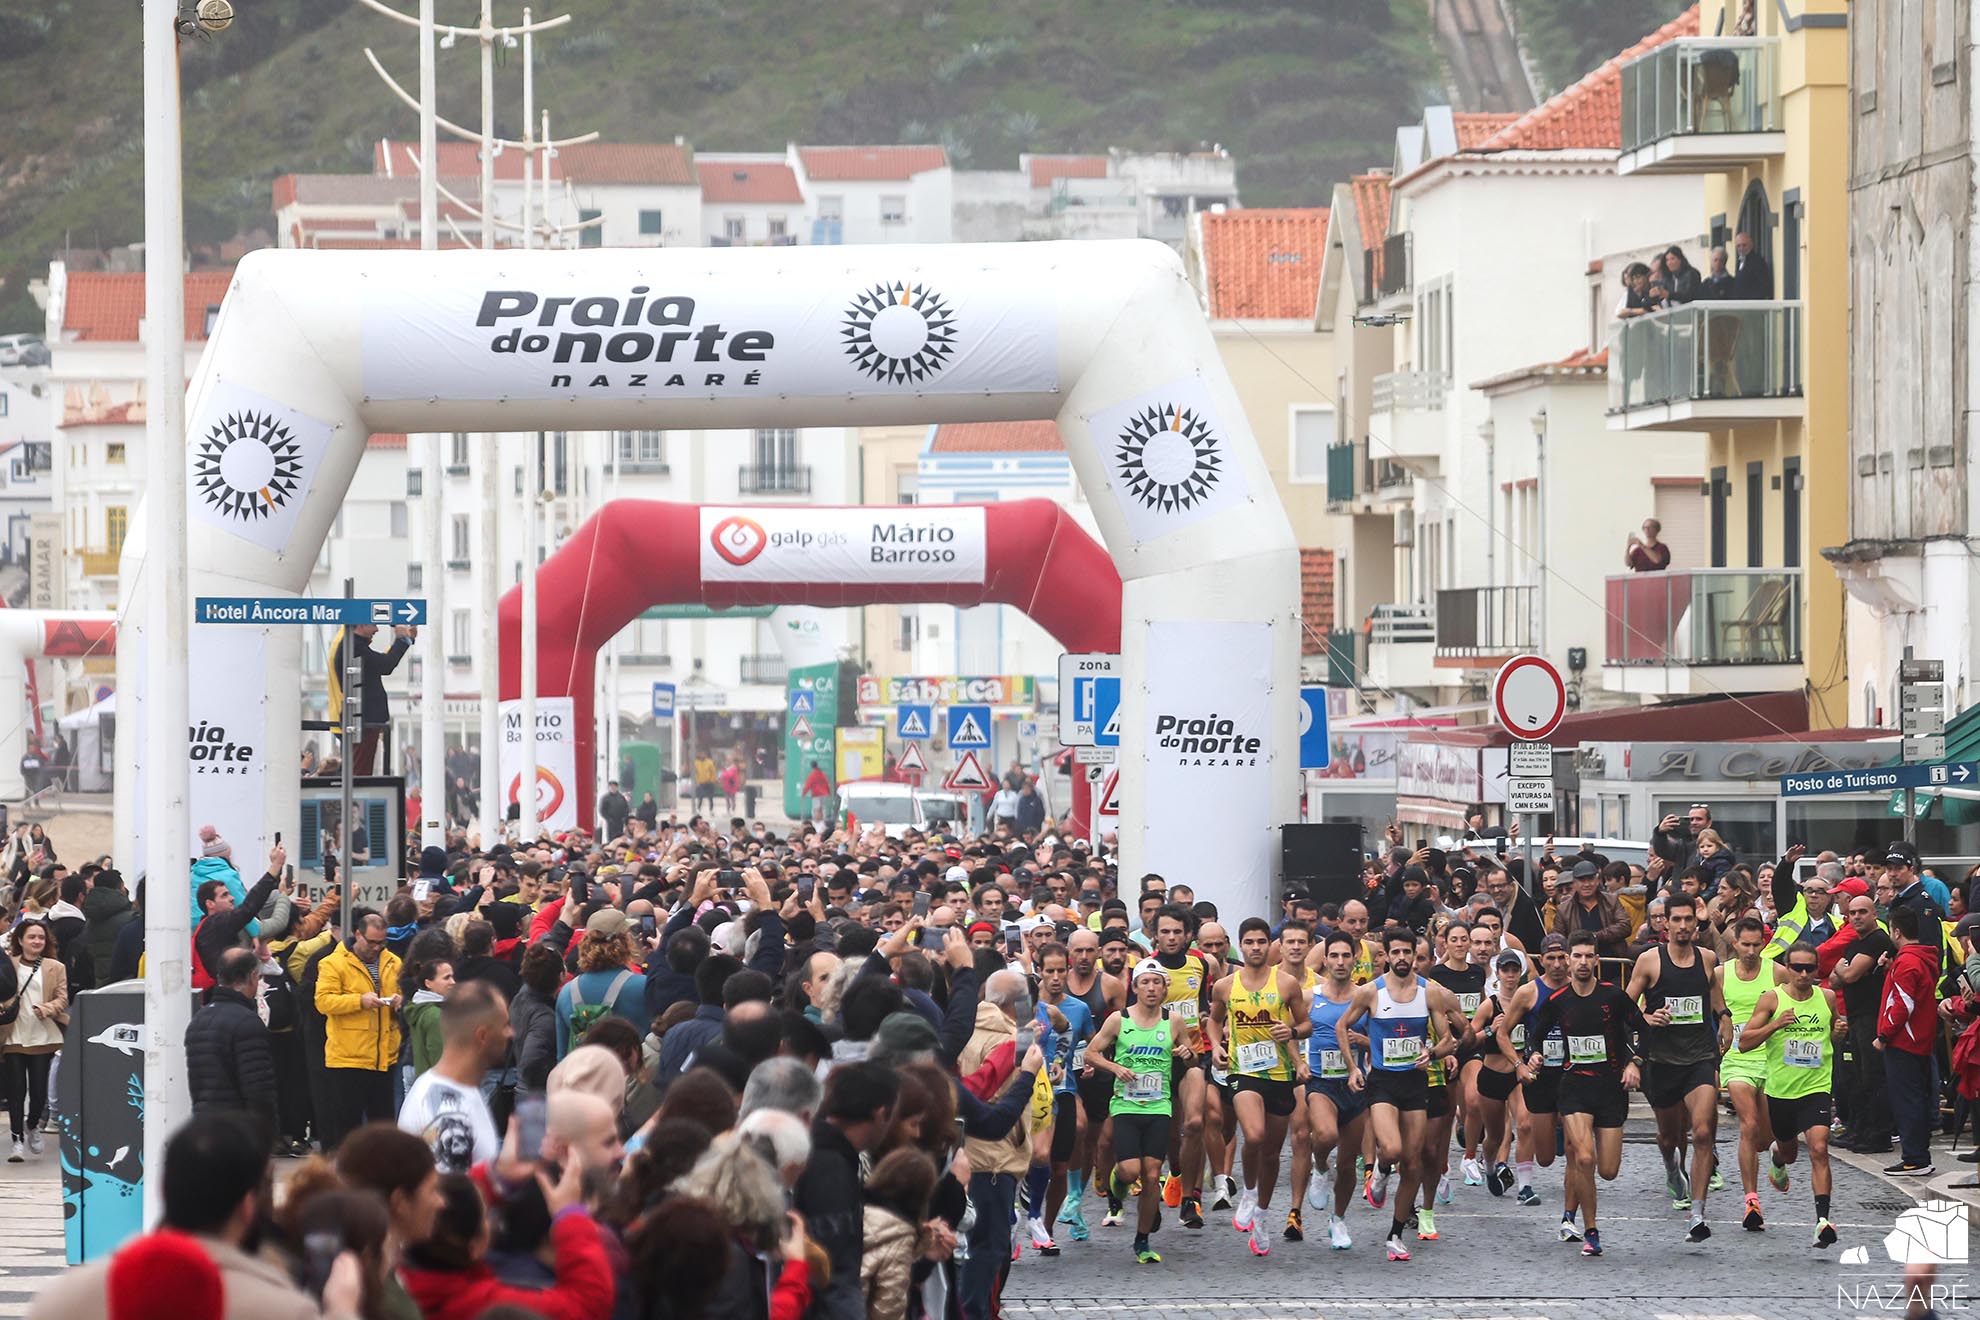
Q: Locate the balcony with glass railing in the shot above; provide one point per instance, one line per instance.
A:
(1690, 366)
(1483, 626)
(1689, 630)
(1700, 105)
(1406, 415)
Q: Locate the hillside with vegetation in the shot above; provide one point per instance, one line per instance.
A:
(1566, 38)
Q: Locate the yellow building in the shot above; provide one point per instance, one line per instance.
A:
(1760, 108)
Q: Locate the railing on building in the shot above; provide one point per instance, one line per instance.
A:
(1347, 657)
(1402, 624)
(1486, 621)
(764, 669)
(1739, 349)
(100, 563)
(1409, 389)
(1701, 85)
(754, 480)
(1705, 616)
(1395, 264)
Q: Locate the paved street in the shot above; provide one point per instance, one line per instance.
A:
(1497, 1261)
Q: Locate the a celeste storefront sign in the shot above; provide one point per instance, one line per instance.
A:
(618, 335)
(929, 544)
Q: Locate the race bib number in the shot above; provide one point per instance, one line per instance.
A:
(1186, 1012)
(1553, 1053)
(1257, 1056)
(1469, 1003)
(1802, 1053)
(1401, 1051)
(1686, 1010)
(1079, 1057)
(1333, 1063)
(1143, 1088)
(1588, 1049)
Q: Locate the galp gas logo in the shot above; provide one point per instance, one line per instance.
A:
(738, 539)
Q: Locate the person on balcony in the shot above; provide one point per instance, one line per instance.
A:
(1636, 292)
(1755, 278)
(1680, 277)
(1718, 282)
(1645, 553)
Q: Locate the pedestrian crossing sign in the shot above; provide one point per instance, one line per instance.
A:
(969, 726)
(802, 703)
(915, 721)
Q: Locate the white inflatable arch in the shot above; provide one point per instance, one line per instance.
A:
(314, 351)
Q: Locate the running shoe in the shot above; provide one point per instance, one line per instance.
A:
(1699, 1231)
(1017, 1251)
(1337, 1233)
(1295, 1226)
(1444, 1190)
(1569, 1233)
(1076, 1226)
(1247, 1211)
(1041, 1238)
(1144, 1251)
(1527, 1196)
(19, 1153)
(34, 1142)
(1426, 1225)
(1397, 1251)
(1717, 1182)
(1777, 1174)
(1261, 1244)
(1377, 1188)
(1825, 1233)
(1112, 1219)
(1593, 1245)
(1500, 1180)
(1317, 1189)
(1906, 1169)
(1075, 1193)
(1678, 1183)
(1192, 1212)
(1172, 1191)
(1474, 1173)
(1227, 1192)
(1754, 1222)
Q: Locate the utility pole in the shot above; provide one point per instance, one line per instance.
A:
(433, 577)
(533, 490)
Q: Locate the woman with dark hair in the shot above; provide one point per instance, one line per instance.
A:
(1681, 278)
(533, 1019)
(434, 980)
(398, 1166)
(932, 1129)
(700, 1096)
(448, 1276)
(663, 1159)
(358, 1223)
(897, 1195)
(681, 1250)
(31, 1041)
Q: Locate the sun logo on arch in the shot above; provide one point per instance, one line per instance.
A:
(248, 465)
(899, 333)
(1169, 457)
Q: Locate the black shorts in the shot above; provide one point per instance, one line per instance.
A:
(1407, 1090)
(1278, 1095)
(1179, 1069)
(1791, 1118)
(1542, 1094)
(1605, 1101)
(1437, 1102)
(1141, 1136)
(1665, 1085)
(1096, 1093)
(1494, 1085)
(1348, 1105)
(1065, 1126)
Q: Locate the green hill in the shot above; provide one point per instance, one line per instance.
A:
(1301, 93)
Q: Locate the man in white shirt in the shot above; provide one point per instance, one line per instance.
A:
(444, 1108)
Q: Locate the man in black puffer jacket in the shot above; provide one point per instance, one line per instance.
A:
(230, 1060)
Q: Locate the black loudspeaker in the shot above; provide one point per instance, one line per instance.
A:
(1325, 860)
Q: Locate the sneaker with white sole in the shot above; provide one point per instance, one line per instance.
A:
(1220, 1192)
(1337, 1233)
(1041, 1238)
(1246, 1214)
(1261, 1242)
(1527, 1196)
(34, 1143)
(1444, 1190)
(1377, 1189)
(1569, 1232)
(1397, 1251)
(1319, 1191)
(19, 1155)
(1474, 1173)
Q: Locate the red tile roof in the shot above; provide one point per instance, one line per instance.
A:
(1371, 214)
(1264, 264)
(458, 160)
(355, 189)
(1316, 600)
(387, 440)
(1473, 129)
(744, 181)
(1044, 169)
(870, 164)
(105, 307)
(1587, 115)
(628, 162)
(998, 438)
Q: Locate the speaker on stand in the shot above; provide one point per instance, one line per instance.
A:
(1323, 859)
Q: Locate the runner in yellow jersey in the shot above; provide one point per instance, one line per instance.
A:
(1264, 1010)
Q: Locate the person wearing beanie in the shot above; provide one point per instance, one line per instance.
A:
(165, 1276)
(216, 862)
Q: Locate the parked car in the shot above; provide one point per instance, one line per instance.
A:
(23, 350)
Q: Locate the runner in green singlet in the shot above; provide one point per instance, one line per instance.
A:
(1139, 1048)
(1796, 1025)
(1745, 1071)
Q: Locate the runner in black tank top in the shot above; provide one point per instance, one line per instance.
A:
(1675, 980)
(1466, 982)
(1096, 1088)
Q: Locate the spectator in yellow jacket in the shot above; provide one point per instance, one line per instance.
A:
(357, 992)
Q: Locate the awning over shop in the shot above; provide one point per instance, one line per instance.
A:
(1705, 719)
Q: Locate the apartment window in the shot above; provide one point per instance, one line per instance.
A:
(1721, 489)
(649, 224)
(831, 208)
(732, 228)
(591, 235)
(1432, 329)
(1791, 513)
(3, 403)
(1791, 214)
(643, 447)
(212, 315)
(893, 210)
(1313, 431)
(461, 538)
(1756, 515)
(777, 449)
(457, 452)
(400, 521)
(552, 462)
(779, 227)
(114, 452)
(463, 634)
(1175, 208)
(415, 483)
(909, 490)
(415, 576)
(116, 524)
(910, 630)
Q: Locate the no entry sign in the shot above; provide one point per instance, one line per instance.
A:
(1528, 697)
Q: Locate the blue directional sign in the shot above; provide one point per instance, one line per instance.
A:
(663, 701)
(1946, 774)
(266, 611)
(802, 703)
(969, 726)
(1099, 699)
(1313, 728)
(914, 721)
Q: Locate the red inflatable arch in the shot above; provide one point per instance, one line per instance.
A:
(634, 554)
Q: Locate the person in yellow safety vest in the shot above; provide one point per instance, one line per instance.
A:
(1804, 907)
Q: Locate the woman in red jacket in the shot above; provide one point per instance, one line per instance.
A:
(449, 1279)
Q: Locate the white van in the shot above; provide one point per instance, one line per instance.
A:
(901, 807)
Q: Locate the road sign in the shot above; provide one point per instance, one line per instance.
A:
(1955, 774)
(1096, 773)
(802, 729)
(1107, 802)
(1921, 671)
(1919, 751)
(911, 762)
(275, 610)
(1530, 760)
(802, 703)
(915, 721)
(1530, 796)
(1095, 755)
(1922, 696)
(969, 775)
(969, 726)
(1923, 723)
(1082, 675)
(663, 701)
(1313, 728)
(1528, 697)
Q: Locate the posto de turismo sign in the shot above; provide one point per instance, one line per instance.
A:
(929, 544)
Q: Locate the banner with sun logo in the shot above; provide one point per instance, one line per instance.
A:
(253, 460)
(1169, 459)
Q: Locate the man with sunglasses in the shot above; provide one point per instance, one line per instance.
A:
(1797, 1022)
